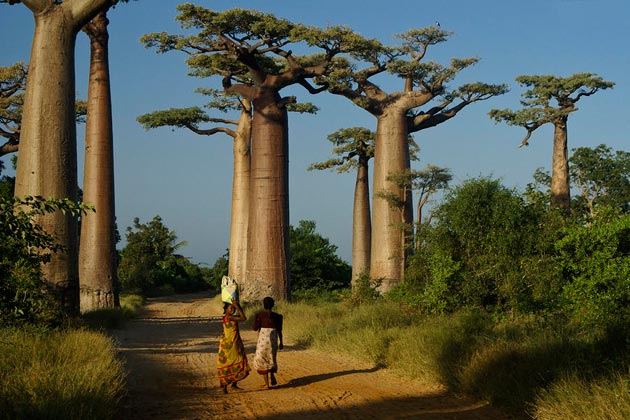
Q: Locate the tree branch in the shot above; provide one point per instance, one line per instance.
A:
(310, 88)
(286, 100)
(211, 131)
(9, 147)
(223, 121)
(585, 93)
(525, 141)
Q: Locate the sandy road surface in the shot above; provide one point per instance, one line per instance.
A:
(170, 352)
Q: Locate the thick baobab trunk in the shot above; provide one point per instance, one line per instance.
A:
(560, 190)
(48, 158)
(391, 157)
(361, 223)
(240, 194)
(268, 233)
(97, 256)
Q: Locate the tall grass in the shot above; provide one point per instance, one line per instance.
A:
(113, 318)
(576, 398)
(316, 322)
(71, 374)
(527, 365)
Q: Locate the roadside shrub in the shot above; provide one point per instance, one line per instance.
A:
(113, 318)
(471, 254)
(25, 298)
(364, 289)
(314, 263)
(595, 262)
(149, 264)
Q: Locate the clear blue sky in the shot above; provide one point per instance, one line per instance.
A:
(186, 178)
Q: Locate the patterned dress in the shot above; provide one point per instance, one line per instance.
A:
(231, 359)
(268, 325)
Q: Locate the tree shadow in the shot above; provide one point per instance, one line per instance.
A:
(306, 380)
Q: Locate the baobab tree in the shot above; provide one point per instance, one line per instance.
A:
(48, 158)
(240, 132)
(538, 109)
(98, 278)
(12, 86)
(256, 41)
(353, 148)
(397, 117)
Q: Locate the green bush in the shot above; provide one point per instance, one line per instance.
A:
(313, 262)
(149, 265)
(472, 253)
(25, 298)
(216, 273)
(595, 263)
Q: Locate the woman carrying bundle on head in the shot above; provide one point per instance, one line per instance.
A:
(269, 327)
(231, 358)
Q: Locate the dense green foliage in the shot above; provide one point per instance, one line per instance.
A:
(218, 270)
(149, 264)
(314, 264)
(492, 248)
(473, 253)
(24, 246)
(602, 177)
(595, 263)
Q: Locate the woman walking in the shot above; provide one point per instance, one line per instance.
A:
(231, 359)
(269, 327)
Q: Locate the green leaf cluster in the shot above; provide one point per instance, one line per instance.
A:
(472, 253)
(351, 145)
(175, 117)
(25, 297)
(601, 176)
(493, 248)
(314, 263)
(549, 99)
(595, 263)
(149, 264)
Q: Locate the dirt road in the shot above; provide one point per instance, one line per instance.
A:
(170, 352)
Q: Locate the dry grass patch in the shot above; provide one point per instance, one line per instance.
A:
(59, 375)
